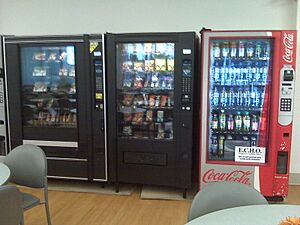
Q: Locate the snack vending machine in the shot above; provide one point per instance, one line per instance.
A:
(53, 84)
(248, 80)
(150, 81)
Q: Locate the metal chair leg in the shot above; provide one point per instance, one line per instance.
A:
(48, 213)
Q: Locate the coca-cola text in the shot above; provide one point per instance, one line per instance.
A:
(235, 175)
(288, 42)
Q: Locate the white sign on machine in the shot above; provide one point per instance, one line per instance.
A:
(250, 154)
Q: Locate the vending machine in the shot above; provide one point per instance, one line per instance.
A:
(151, 111)
(56, 100)
(248, 80)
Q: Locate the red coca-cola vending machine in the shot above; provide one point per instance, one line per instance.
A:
(248, 80)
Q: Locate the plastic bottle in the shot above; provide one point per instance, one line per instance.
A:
(257, 98)
(222, 120)
(223, 99)
(262, 98)
(247, 97)
(231, 96)
(254, 123)
(217, 73)
(216, 96)
(222, 74)
(246, 122)
(253, 95)
(214, 145)
(241, 50)
(239, 97)
(233, 49)
(238, 121)
(221, 146)
(230, 123)
(215, 122)
(225, 49)
(216, 50)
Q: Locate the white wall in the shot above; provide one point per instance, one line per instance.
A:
(42, 17)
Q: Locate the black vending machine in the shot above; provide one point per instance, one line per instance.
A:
(49, 83)
(150, 87)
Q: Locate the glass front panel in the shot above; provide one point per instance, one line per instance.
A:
(239, 89)
(145, 90)
(49, 86)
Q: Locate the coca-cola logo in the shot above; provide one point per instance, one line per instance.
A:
(288, 42)
(235, 176)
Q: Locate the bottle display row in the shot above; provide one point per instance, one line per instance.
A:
(237, 122)
(229, 73)
(253, 49)
(223, 146)
(238, 97)
(55, 119)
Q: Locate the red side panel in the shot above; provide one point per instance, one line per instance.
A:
(273, 182)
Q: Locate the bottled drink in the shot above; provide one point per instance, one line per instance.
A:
(217, 73)
(246, 122)
(230, 122)
(233, 49)
(214, 145)
(258, 51)
(238, 121)
(264, 73)
(254, 123)
(215, 122)
(216, 96)
(222, 71)
(239, 97)
(247, 97)
(223, 99)
(253, 141)
(225, 49)
(216, 50)
(262, 98)
(222, 120)
(257, 72)
(257, 98)
(253, 94)
(250, 50)
(241, 50)
(231, 96)
(221, 146)
(231, 74)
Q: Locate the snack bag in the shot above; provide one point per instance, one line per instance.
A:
(163, 100)
(152, 100)
(127, 99)
(149, 116)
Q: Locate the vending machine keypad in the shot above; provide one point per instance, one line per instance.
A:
(186, 83)
(287, 75)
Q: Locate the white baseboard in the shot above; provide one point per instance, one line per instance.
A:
(294, 179)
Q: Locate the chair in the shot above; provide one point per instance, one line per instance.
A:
(11, 212)
(28, 167)
(223, 195)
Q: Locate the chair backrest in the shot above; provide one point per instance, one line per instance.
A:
(11, 211)
(223, 195)
(28, 166)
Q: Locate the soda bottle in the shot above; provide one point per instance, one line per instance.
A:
(257, 98)
(223, 99)
(264, 73)
(222, 71)
(231, 74)
(247, 97)
(214, 145)
(216, 50)
(222, 120)
(258, 51)
(241, 50)
(216, 96)
(238, 121)
(253, 94)
(215, 122)
(262, 98)
(233, 49)
(254, 123)
(231, 96)
(250, 50)
(221, 146)
(230, 122)
(225, 49)
(217, 73)
(257, 72)
(246, 122)
(253, 141)
(239, 97)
